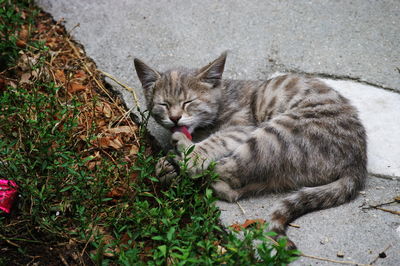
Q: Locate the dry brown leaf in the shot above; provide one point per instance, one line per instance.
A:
(23, 34)
(108, 240)
(12, 84)
(109, 142)
(75, 87)
(80, 75)
(133, 150)
(120, 129)
(52, 43)
(101, 123)
(116, 143)
(116, 192)
(41, 28)
(105, 109)
(25, 77)
(91, 165)
(21, 43)
(247, 223)
(251, 222)
(134, 176)
(60, 76)
(103, 142)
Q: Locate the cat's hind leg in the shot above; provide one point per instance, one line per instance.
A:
(254, 166)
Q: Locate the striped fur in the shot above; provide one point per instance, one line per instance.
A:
(289, 133)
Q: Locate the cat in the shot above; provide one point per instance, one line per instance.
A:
(288, 133)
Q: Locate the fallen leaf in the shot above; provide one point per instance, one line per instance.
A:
(108, 141)
(116, 143)
(133, 150)
(134, 176)
(116, 192)
(80, 75)
(247, 223)
(41, 28)
(25, 78)
(52, 43)
(91, 165)
(75, 87)
(23, 34)
(60, 76)
(105, 109)
(103, 142)
(251, 222)
(120, 129)
(20, 43)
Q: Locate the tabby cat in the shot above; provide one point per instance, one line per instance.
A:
(288, 133)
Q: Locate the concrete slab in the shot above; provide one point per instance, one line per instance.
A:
(356, 39)
(353, 39)
(346, 38)
(360, 234)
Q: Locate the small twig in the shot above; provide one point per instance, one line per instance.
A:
(63, 260)
(379, 205)
(273, 241)
(109, 155)
(123, 85)
(12, 243)
(73, 28)
(334, 261)
(389, 177)
(240, 208)
(377, 257)
(294, 225)
(387, 210)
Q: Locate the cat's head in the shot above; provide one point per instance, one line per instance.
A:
(183, 97)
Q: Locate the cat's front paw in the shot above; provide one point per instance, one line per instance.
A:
(181, 142)
(165, 170)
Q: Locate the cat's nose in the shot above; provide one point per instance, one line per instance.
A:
(175, 119)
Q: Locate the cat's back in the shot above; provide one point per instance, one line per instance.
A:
(295, 95)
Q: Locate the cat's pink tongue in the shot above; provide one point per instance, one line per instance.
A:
(182, 129)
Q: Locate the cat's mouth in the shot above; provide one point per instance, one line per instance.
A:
(182, 129)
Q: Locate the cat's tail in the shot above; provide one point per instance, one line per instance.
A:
(310, 199)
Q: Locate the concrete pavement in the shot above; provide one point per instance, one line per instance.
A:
(356, 40)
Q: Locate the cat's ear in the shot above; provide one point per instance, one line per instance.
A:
(212, 73)
(146, 74)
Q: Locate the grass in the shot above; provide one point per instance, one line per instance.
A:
(87, 190)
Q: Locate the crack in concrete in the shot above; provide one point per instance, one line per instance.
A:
(344, 77)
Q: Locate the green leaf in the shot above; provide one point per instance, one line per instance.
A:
(190, 149)
(66, 189)
(170, 233)
(157, 238)
(163, 250)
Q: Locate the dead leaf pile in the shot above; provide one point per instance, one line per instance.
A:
(105, 131)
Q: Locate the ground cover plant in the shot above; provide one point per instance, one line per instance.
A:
(85, 169)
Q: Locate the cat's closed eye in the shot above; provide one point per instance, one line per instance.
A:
(164, 104)
(187, 102)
